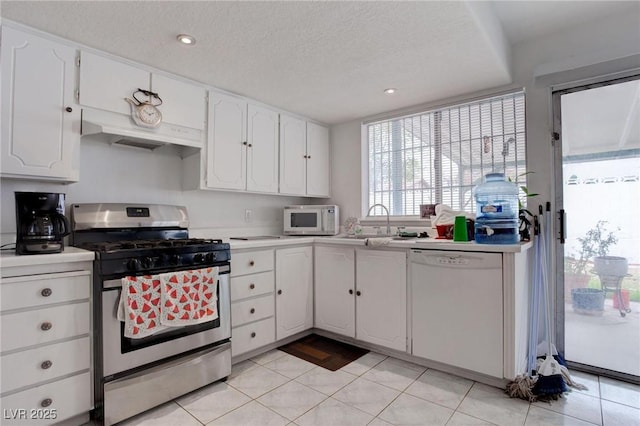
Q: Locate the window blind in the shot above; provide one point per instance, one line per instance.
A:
(439, 156)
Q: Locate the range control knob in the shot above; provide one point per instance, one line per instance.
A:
(174, 259)
(198, 258)
(146, 262)
(133, 265)
(211, 257)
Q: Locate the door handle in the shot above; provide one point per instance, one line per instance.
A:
(563, 231)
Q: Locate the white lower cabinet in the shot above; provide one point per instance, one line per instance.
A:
(335, 285)
(252, 300)
(362, 293)
(45, 354)
(457, 309)
(381, 298)
(294, 290)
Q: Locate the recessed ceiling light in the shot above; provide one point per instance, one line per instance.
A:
(390, 91)
(186, 39)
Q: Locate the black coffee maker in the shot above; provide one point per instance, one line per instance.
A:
(41, 224)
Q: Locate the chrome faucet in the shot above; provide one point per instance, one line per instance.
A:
(386, 210)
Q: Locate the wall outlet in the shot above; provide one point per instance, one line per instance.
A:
(248, 216)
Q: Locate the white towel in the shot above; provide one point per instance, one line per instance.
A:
(189, 297)
(377, 242)
(445, 215)
(139, 307)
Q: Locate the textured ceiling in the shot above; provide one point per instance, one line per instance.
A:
(326, 60)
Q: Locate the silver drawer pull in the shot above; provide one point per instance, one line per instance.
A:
(46, 292)
(252, 311)
(45, 326)
(46, 402)
(46, 364)
(253, 334)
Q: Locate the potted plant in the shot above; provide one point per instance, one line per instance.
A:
(524, 216)
(595, 243)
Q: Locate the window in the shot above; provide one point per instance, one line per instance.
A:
(439, 156)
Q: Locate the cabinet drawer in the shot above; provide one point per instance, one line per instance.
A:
(251, 310)
(68, 397)
(251, 262)
(252, 336)
(28, 328)
(251, 285)
(35, 290)
(44, 363)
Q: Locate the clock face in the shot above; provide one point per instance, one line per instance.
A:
(149, 114)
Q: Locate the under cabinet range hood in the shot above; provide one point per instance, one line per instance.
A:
(119, 129)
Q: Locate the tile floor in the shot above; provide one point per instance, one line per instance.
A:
(278, 389)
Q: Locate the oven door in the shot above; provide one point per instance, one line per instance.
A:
(121, 354)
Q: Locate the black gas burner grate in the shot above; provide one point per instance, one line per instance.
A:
(146, 244)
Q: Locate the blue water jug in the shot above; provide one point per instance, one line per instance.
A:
(496, 211)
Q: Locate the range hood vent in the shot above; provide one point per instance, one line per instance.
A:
(119, 129)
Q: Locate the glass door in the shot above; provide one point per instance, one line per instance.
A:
(597, 132)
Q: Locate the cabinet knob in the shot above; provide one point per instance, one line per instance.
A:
(253, 334)
(358, 293)
(350, 291)
(251, 263)
(46, 364)
(68, 109)
(279, 291)
(308, 156)
(45, 326)
(244, 143)
(46, 402)
(252, 286)
(252, 311)
(46, 292)
(304, 156)
(249, 145)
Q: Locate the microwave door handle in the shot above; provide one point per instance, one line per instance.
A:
(323, 219)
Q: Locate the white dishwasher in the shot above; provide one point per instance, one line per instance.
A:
(457, 315)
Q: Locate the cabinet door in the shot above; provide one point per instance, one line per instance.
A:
(293, 156)
(182, 103)
(40, 136)
(262, 151)
(226, 153)
(104, 83)
(381, 298)
(317, 160)
(335, 290)
(294, 291)
(457, 309)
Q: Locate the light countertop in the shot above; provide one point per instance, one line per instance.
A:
(9, 259)
(418, 243)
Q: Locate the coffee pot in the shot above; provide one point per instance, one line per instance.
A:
(41, 223)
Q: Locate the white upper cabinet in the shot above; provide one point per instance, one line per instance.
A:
(304, 158)
(182, 103)
(40, 120)
(226, 144)
(262, 149)
(317, 160)
(242, 145)
(293, 156)
(105, 83)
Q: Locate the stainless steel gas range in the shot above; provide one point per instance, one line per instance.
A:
(146, 243)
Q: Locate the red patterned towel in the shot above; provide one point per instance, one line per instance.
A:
(140, 306)
(189, 297)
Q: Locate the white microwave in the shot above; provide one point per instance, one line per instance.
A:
(311, 220)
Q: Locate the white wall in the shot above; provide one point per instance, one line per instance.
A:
(120, 174)
(586, 45)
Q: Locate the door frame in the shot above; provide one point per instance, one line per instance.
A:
(557, 225)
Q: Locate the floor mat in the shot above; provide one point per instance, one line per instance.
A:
(323, 351)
